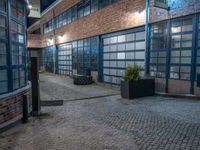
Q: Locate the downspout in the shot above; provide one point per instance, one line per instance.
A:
(147, 60)
(54, 47)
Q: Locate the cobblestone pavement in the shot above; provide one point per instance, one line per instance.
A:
(110, 123)
(53, 87)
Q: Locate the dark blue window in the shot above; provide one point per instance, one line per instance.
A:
(198, 48)
(180, 36)
(48, 58)
(87, 53)
(3, 5)
(13, 54)
(181, 48)
(158, 50)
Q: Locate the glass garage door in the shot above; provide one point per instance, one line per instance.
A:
(120, 51)
(65, 59)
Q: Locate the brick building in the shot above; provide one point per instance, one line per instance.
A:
(108, 35)
(13, 65)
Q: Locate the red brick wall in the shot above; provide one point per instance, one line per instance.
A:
(179, 86)
(11, 107)
(35, 41)
(122, 15)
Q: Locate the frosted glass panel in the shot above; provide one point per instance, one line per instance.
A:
(121, 56)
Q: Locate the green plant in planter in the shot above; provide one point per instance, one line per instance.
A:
(132, 73)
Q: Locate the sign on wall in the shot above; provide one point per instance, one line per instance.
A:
(161, 4)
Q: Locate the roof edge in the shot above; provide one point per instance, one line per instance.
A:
(50, 7)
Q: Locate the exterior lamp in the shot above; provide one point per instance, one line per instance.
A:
(30, 6)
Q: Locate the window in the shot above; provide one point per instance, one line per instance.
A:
(17, 9)
(3, 81)
(17, 32)
(119, 52)
(69, 16)
(198, 49)
(3, 54)
(65, 59)
(87, 8)
(181, 49)
(158, 50)
(2, 6)
(80, 10)
(60, 21)
(49, 26)
(86, 53)
(94, 5)
(74, 55)
(3, 27)
(48, 57)
(74, 13)
(12, 66)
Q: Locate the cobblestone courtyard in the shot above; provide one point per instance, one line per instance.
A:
(107, 123)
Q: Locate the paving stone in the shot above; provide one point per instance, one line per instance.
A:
(110, 123)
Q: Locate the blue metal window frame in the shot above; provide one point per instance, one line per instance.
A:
(8, 41)
(193, 65)
(118, 33)
(180, 49)
(19, 66)
(5, 41)
(158, 50)
(85, 61)
(197, 45)
(65, 48)
(48, 57)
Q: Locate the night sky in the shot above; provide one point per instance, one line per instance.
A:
(45, 4)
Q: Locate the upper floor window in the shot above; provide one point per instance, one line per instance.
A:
(2, 27)
(2, 5)
(83, 8)
(49, 26)
(17, 9)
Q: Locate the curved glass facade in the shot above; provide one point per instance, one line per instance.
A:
(13, 64)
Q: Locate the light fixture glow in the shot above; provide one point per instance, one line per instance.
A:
(30, 6)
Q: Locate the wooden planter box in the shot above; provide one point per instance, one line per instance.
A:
(139, 88)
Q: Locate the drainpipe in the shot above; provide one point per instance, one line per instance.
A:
(54, 47)
(147, 39)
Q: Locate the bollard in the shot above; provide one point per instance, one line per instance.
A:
(35, 87)
(25, 109)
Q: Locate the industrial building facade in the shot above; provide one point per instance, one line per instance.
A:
(106, 36)
(14, 84)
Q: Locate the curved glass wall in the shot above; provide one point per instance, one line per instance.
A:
(12, 45)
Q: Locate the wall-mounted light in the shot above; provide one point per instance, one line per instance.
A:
(139, 14)
(61, 38)
(30, 6)
(49, 41)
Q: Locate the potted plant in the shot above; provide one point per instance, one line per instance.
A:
(134, 86)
